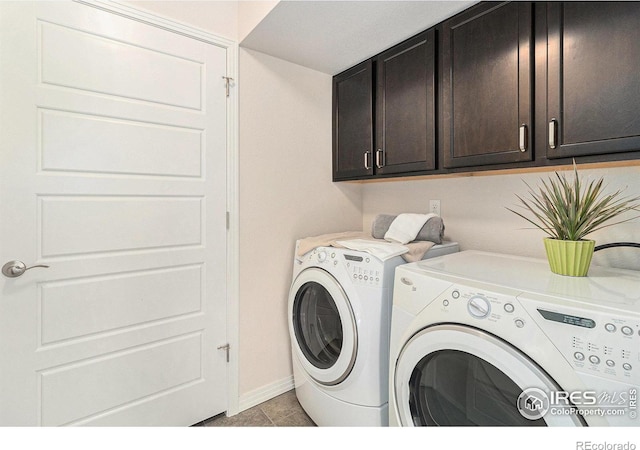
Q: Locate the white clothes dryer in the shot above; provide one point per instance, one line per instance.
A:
(339, 319)
(487, 339)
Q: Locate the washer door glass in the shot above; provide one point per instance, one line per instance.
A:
(317, 325)
(454, 388)
(322, 326)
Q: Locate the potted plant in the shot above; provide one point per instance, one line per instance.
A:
(567, 211)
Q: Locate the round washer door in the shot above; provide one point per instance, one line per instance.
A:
(454, 375)
(322, 326)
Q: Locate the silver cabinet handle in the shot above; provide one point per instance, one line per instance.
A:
(14, 269)
(553, 133)
(367, 165)
(523, 138)
(379, 158)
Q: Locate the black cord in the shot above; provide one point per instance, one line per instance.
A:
(617, 244)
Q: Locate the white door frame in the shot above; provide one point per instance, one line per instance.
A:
(233, 395)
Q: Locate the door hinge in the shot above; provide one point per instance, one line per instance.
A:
(225, 347)
(228, 81)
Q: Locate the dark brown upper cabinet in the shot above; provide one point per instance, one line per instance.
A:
(593, 96)
(398, 135)
(353, 123)
(487, 80)
(405, 107)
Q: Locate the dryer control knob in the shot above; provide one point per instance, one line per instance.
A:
(479, 307)
(322, 256)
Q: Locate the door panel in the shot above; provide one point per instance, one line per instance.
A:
(353, 122)
(107, 64)
(114, 174)
(93, 144)
(405, 114)
(113, 302)
(593, 107)
(74, 225)
(487, 85)
(100, 384)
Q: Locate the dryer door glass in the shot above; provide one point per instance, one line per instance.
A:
(317, 325)
(455, 388)
(451, 374)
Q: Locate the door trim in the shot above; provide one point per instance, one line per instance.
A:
(233, 229)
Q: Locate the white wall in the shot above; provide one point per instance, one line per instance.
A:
(230, 19)
(217, 17)
(286, 193)
(475, 214)
(251, 13)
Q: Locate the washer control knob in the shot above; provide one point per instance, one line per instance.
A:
(479, 307)
(627, 366)
(508, 307)
(594, 359)
(579, 356)
(519, 323)
(611, 363)
(610, 327)
(322, 256)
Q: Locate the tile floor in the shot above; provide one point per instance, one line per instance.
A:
(281, 411)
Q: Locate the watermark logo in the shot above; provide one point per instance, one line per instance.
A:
(533, 403)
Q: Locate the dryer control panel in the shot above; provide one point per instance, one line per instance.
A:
(596, 341)
(481, 304)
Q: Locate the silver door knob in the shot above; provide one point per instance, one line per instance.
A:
(14, 269)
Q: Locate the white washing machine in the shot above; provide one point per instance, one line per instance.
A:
(339, 319)
(488, 339)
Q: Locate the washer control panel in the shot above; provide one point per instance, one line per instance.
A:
(361, 269)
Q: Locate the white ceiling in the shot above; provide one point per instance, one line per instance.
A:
(333, 35)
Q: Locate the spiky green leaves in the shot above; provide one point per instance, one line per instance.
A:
(566, 210)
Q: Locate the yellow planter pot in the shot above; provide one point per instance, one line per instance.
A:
(569, 257)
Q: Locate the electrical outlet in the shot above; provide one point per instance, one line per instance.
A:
(434, 207)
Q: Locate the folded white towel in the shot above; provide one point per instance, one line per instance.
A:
(380, 249)
(406, 227)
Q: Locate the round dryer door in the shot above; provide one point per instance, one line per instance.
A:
(454, 375)
(322, 326)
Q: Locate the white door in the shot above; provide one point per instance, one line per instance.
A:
(112, 173)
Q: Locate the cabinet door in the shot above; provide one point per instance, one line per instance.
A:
(487, 70)
(594, 78)
(405, 112)
(353, 122)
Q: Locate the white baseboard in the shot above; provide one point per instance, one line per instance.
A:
(257, 396)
